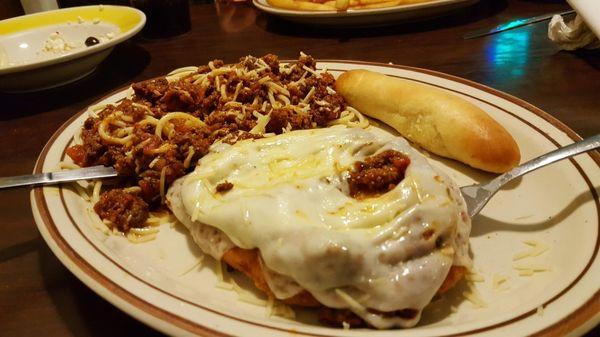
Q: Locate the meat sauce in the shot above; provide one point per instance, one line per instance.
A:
(377, 174)
(122, 209)
(146, 157)
(224, 187)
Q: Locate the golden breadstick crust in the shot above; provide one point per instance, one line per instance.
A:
(436, 120)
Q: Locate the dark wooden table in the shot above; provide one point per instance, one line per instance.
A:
(39, 297)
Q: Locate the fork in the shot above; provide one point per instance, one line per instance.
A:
(478, 195)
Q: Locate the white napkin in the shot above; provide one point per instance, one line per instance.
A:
(571, 35)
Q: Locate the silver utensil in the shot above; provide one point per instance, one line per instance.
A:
(512, 24)
(478, 195)
(50, 178)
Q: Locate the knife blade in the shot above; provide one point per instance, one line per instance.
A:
(50, 178)
(512, 25)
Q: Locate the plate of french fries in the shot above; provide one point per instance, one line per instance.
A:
(333, 12)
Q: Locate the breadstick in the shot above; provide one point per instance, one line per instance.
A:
(434, 119)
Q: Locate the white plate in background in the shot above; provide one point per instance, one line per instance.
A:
(365, 17)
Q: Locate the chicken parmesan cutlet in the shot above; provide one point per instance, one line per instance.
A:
(350, 220)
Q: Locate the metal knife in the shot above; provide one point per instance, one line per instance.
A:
(512, 25)
(50, 178)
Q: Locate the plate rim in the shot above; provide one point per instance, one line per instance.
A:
(581, 316)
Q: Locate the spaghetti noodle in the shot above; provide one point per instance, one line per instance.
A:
(165, 125)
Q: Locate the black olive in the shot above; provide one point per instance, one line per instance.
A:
(90, 41)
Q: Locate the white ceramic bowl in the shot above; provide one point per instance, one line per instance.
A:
(47, 49)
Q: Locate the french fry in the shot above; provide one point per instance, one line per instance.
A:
(380, 4)
(359, 3)
(339, 5)
(300, 5)
(342, 4)
(399, 2)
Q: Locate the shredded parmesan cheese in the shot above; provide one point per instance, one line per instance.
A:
(224, 285)
(309, 95)
(132, 237)
(475, 298)
(276, 87)
(277, 308)
(143, 230)
(237, 91)
(272, 98)
(67, 166)
(526, 272)
(261, 123)
(153, 162)
(246, 296)
(498, 281)
(356, 307)
(309, 70)
(475, 277)
(196, 265)
(540, 310)
(537, 248)
(530, 269)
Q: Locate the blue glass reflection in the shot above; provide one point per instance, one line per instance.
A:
(508, 52)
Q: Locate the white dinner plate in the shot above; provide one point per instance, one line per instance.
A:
(161, 284)
(372, 16)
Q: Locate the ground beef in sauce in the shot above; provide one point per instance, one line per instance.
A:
(124, 210)
(224, 187)
(378, 174)
(151, 89)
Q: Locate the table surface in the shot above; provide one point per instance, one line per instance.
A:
(38, 296)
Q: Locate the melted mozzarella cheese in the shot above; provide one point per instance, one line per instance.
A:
(290, 200)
